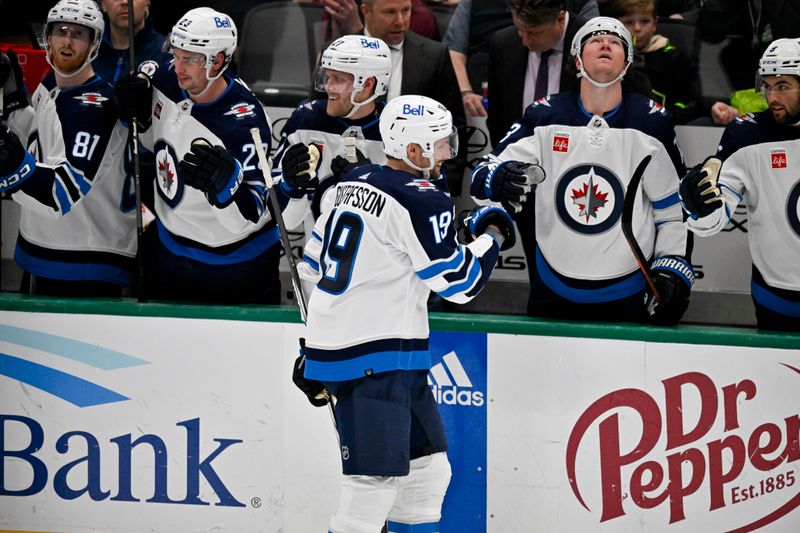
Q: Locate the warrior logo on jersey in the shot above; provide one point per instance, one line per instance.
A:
(422, 185)
(778, 157)
(793, 208)
(589, 199)
(241, 110)
(169, 187)
(91, 99)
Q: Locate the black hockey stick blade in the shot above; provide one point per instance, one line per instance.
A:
(627, 224)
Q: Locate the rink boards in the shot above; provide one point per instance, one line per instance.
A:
(127, 417)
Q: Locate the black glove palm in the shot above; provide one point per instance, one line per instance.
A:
(133, 95)
(512, 181)
(213, 170)
(298, 176)
(340, 166)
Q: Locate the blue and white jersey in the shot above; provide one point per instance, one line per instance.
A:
(581, 253)
(78, 218)
(188, 225)
(310, 124)
(388, 239)
(761, 169)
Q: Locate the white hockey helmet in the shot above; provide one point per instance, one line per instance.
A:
(781, 58)
(205, 31)
(82, 12)
(602, 26)
(364, 58)
(414, 119)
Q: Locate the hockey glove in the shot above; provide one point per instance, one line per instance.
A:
(488, 219)
(212, 170)
(133, 95)
(510, 182)
(340, 166)
(699, 193)
(314, 390)
(299, 166)
(673, 277)
(11, 81)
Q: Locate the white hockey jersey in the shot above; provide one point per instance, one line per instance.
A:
(761, 169)
(581, 253)
(188, 225)
(387, 241)
(78, 219)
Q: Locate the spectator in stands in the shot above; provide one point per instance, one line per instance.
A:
(756, 163)
(468, 34)
(114, 56)
(343, 18)
(749, 25)
(670, 71)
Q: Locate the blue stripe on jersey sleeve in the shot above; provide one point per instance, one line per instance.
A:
(62, 198)
(313, 264)
(669, 201)
(316, 236)
(735, 193)
(453, 262)
(463, 287)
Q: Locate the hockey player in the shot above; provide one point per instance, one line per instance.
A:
(354, 71)
(215, 239)
(76, 149)
(758, 155)
(588, 144)
(387, 240)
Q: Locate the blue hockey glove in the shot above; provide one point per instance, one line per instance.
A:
(299, 167)
(314, 390)
(673, 277)
(476, 222)
(133, 96)
(11, 81)
(700, 195)
(340, 166)
(212, 170)
(510, 182)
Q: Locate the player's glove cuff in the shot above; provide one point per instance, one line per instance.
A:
(314, 390)
(224, 196)
(476, 222)
(677, 266)
(10, 183)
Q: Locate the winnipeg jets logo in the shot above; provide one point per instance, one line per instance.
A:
(793, 208)
(655, 107)
(422, 185)
(91, 99)
(166, 175)
(241, 110)
(589, 199)
(170, 188)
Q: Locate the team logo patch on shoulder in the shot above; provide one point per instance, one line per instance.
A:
(422, 185)
(589, 199)
(561, 142)
(544, 101)
(148, 67)
(241, 110)
(91, 99)
(778, 157)
(655, 107)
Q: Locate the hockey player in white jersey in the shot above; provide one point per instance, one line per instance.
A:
(388, 239)
(77, 233)
(588, 144)
(758, 163)
(354, 71)
(215, 238)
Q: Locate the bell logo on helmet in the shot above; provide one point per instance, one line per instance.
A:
(222, 22)
(370, 43)
(416, 111)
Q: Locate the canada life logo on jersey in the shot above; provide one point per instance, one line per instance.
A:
(692, 444)
(561, 142)
(778, 157)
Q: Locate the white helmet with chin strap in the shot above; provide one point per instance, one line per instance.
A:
(82, 12)
(364, 58)
(781, 58)
(414, 119)
(602, 26)
(208, 32)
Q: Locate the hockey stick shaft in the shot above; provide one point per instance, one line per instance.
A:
(287, 246)
(137, 182)
(627, 224)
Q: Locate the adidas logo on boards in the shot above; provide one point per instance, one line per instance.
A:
(451, 385)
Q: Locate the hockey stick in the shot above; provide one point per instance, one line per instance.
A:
(627, 225)
(137, 185)
(287, 249)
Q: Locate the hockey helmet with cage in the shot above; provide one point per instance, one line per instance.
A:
(208, 32)
(414, 119)
(81, 12)
(602, 26)
(781, 58)
(363, 58)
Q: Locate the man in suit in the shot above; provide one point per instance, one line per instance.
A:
(419, 66)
